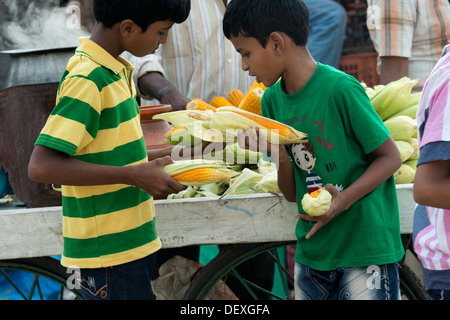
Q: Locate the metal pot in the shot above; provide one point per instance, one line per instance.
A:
(33, 66)
(28, 84)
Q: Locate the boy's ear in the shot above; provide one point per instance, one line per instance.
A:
(127, 27)
(276, 42)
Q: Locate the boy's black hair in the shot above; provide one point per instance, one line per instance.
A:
(259, 18)
(142, 12)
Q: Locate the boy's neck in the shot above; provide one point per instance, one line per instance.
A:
(300, 70)
(107, 38)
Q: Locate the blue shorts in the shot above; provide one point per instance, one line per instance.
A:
(359, 283)
(129, 281)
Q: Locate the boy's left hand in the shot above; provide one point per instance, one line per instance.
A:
(253, 140)
(323, 219)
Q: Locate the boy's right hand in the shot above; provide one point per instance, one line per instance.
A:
(152, 178)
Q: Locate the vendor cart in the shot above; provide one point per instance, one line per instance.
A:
(248, 224)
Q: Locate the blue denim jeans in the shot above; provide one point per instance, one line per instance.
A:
(439, 294)
(328, 25)
(129, 281)
(360, 283)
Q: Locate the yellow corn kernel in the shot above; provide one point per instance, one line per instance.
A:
(218, 102)
(257, 84)
(267, 123)
(235, 96)
(206, 175)
(172, 131)
(252, 101)
(315, 194)
(199, 104)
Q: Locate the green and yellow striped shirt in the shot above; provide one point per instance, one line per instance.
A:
(96, 119)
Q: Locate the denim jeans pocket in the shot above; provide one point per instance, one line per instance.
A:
(94, 283)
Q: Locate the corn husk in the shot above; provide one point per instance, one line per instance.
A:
(224, 125)
(245, 183)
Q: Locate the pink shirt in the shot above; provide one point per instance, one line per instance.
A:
(432, 240)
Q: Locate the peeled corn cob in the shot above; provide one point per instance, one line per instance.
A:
(317, 202)
(252, 101)
(200, 175)
(198, 172)
(270, 124)
(199, 104)
(220, 101)
(235, 97)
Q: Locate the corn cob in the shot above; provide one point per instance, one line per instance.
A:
(181, 136)
(224, 125)
(174, 130)
(194, 177)
(406, 150)
(415, 144)
(405, 174)
(235, 97)
(178, 118)
(270, 124)
(393, 97)
(252, 101)
(218, 102)
(199, 104)
(316, 203)
(401, 127)
(200, 176)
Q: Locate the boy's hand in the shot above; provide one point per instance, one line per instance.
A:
(152, 178)
(253, 140)
(336, 205)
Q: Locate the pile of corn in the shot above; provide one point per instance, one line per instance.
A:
(236, 171)
(397, 107)
(211, 178)
(231, 170)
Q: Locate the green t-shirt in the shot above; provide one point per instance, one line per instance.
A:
(343, 128)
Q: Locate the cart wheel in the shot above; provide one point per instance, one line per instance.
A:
(42, 278)
(223, 267)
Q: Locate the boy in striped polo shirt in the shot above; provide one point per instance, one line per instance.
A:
(92, 145)
(432, 182)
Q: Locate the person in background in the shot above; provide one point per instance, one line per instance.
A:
(199, 62)
(328, 25)
(196, 62)
(431, 227)
(409, 36)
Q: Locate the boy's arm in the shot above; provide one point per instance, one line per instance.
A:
(52, 166)
(253, 140)
(432, 184)
(154, 84)
(386, 163)
(286, 179)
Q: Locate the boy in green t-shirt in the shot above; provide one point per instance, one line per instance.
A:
(351, 252)
(92, 145)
